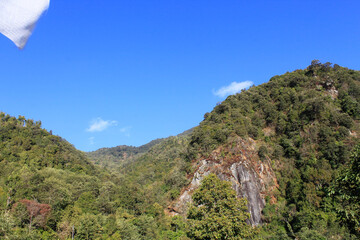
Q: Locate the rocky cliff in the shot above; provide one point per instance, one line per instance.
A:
(239, 163)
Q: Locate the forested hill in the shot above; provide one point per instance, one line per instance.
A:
(113, 157)
(50, 190)
(42, 179)
(306, 124)
(322, 100)
(24, 142)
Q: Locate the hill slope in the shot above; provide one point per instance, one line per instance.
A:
(305, 123)
(47, 187)
(50, 190)
(25, 142)
(113, 157)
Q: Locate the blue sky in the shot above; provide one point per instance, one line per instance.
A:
(107, 73)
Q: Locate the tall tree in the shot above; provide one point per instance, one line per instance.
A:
(37, 213)
(217, 212)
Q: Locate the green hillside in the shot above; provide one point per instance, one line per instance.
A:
(115, 157)
(307, 123)
(24, 142)
(40, 171)
(111, 158)
(50, 190)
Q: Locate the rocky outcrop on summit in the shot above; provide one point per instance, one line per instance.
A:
(237, 162)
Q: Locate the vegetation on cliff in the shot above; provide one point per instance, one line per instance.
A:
(217, 213)
(306, 122)
(346, 191)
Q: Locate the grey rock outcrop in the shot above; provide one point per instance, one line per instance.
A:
(250, 177)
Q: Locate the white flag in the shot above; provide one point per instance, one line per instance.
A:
(18, 18)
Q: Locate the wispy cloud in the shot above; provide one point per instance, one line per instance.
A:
(91, 140)
(233, 88)
(126, 131)
(99, 125)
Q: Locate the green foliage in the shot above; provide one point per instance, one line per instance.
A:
(65, 189)
(308, 234)
(287, 103)
(7, 224)
(127, 230)
(178, 229)
(88, 227)
(113, 157)
(217, 212)
(25, 142)
(262, 152)
(147, 179)
(156, 176)
(20, 214)
(147, 227)
(346, 190)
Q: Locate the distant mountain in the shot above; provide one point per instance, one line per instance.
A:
(114, 157)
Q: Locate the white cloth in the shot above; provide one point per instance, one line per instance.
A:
(18, 18)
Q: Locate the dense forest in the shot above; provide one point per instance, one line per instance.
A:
(305, 123)
(50, 190)
(110, 158)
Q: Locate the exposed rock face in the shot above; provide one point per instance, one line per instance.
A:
(238, 162)
(247, 184)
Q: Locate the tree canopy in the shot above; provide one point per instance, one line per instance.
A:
(217, 213)
(346, 190)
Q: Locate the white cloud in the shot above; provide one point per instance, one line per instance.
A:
(233, 88)
(99, 125)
